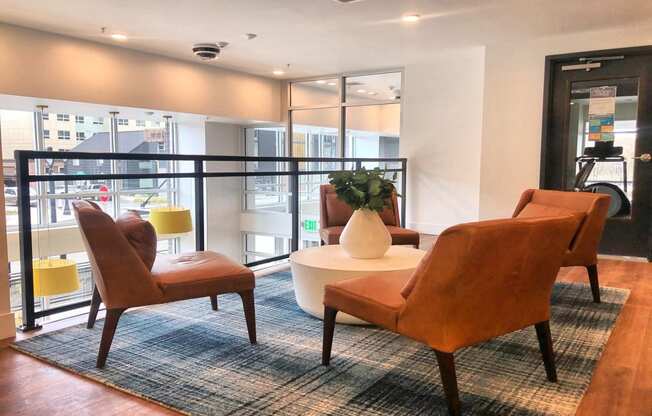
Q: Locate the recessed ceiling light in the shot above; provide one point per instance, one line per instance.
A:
(411, 18)
(321, 81)
(361, 91)
(119, 37)
(278, 72)
(372, 93)
(332, 83)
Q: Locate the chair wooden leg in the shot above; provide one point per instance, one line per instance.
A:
(110, 325)
(446, 362)
(250, 313)
(545, 345)
(214, 302)
(593, 279)
(329, 330)
(95, 307)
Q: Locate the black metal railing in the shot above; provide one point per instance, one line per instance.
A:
(199, 174)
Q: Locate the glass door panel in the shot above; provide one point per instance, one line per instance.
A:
(602, 132)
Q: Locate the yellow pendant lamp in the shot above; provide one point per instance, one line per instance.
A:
(171, 220)
(55, 277)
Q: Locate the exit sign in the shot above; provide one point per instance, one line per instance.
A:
(310, 225)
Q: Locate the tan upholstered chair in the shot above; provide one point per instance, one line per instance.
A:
(479, 281)
(583, 250)
(335, 213)
(127, 273)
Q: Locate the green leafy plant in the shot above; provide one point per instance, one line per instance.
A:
(363, 189)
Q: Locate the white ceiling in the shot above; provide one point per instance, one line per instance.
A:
(319, 36)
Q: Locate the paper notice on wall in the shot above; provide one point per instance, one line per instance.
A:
(602, 109)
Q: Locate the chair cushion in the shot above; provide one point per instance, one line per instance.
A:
(539, 210)
(331, 235)
(388, 216)
(400, 236)
(199, 274)
(374, 298)
(403, 236)
(338, 211)
(532, 210)
(140, 234)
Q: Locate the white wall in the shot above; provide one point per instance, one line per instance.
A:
(45, 65)
(513, 105)
(441, 137)
(224, 195)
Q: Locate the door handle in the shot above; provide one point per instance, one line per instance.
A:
(645, 157)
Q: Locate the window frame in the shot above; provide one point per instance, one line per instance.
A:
(342, 105)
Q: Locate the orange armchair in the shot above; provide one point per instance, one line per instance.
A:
(127, 273)
(334, 214)
(479, 281)
(590, 207)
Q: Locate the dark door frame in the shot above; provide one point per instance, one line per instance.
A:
(552, 170)
(548, 83)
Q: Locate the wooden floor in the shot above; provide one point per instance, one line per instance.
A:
(621, 385)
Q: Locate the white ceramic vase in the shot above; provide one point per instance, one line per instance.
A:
(365, 235)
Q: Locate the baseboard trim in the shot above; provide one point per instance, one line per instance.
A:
(7, 325)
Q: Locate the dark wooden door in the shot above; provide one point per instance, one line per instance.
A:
(581, 91)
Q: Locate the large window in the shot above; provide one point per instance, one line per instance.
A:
(51, 210)
(266, 197)
(144, 194)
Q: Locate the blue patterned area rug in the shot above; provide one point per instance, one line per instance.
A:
(189, 358)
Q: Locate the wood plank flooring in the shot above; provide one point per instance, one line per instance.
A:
(621, 385)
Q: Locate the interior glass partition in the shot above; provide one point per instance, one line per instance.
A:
(352, 115)
(373, 131)
(362, 89)
(317, 92)
(265, 227)
(315, 133)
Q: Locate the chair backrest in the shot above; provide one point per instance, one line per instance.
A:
(584, 247)
(485, 279)
(335, 212)
(120, 275)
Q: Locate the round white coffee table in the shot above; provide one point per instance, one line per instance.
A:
(315, 267)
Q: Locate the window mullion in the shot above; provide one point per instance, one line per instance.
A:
(113, 146)
(40, 145)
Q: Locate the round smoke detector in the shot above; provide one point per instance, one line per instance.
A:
(208, 51)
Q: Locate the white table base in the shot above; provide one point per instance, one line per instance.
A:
(311, 276)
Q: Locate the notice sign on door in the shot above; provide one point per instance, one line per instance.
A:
(602, 108)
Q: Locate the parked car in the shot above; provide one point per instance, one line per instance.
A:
(11, 197)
